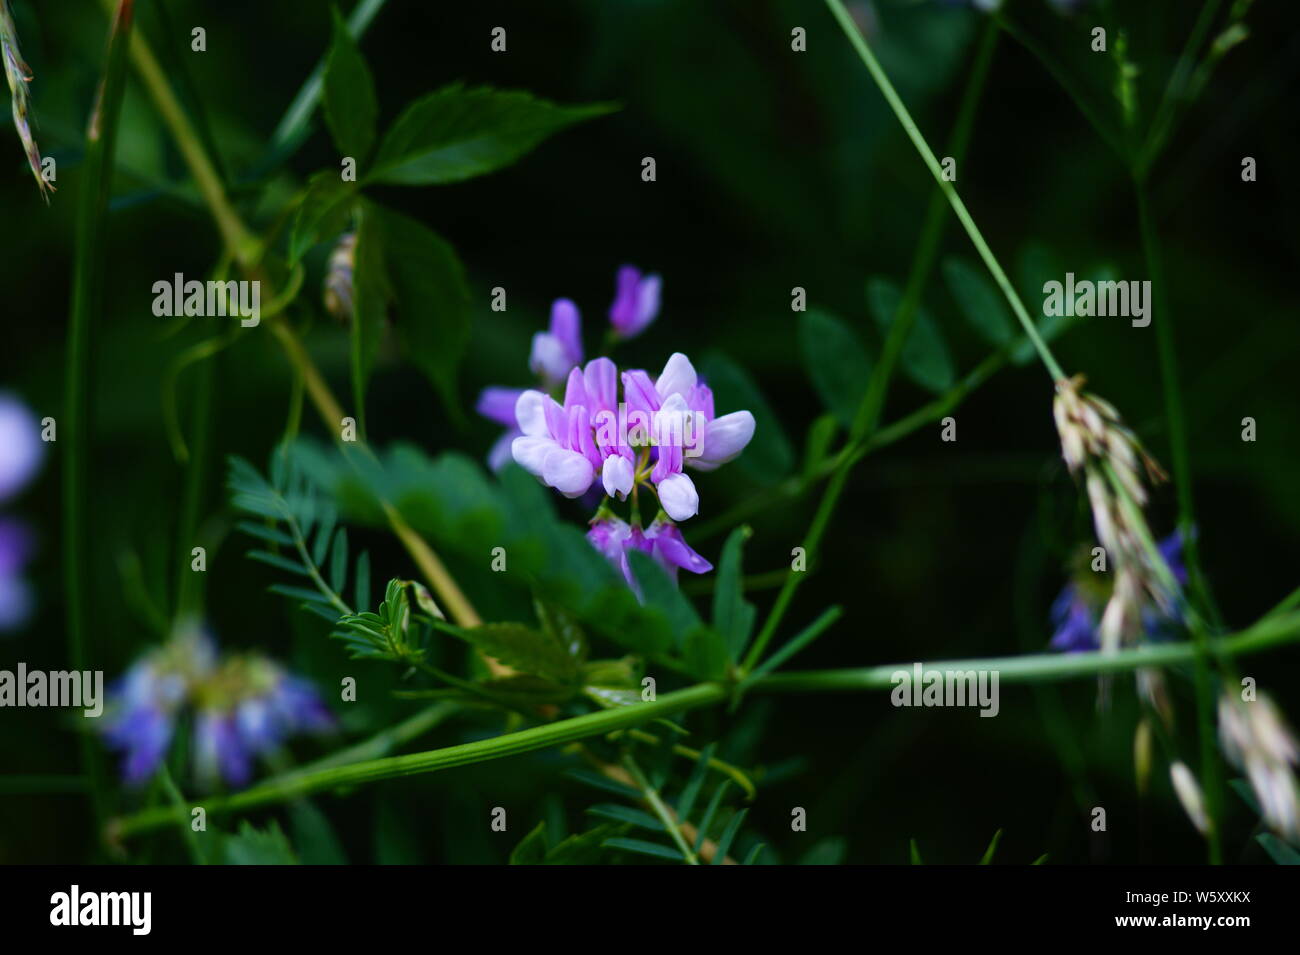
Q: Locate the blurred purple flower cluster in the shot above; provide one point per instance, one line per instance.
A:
(243, 706)
(21, 451)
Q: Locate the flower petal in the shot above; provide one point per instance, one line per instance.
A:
(616, 475)
(678, 377)
(498, 404)
(724, 439)
(530, 453)
(568, 472)
(678, 497)
(530, 413)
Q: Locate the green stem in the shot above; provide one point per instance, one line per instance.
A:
(665, 814)
(873, 401)
(1017, 669)
(958, 207)
(509, 744)
(87, 302)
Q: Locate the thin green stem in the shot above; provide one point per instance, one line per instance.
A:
(295, 785)
(873, 400)
(1035, 668)
(657, 805)
(958, 207)
(87, 301)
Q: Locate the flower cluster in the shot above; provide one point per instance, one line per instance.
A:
(1096, 443)
(21, 451)
(627, 430)
(558, 350)
(1257, 741)
(243, 706)
(19, 75)
(1077, 611)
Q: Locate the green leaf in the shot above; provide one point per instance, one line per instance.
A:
(429, 287)
(770, 455)
(315, 838)
(324, 213)
(705, 654)
(733, 616)
(993, 848)
(522, 648)
(585, 847)
(828, 851)
(729, 836)
(259, 847)
(644, 848)
(661, 592)
(633, 817)
(836, 362)
(457, 133)
(526, 689)
(925, 357)
(370, 294)
(980, 301)
(532, 848)
(351, 108)
(1278, 851)
(817, 445)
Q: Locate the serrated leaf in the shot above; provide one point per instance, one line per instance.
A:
(980, 302)
(522, 648)
(324, 213)
(836, 362)
(925, 357)
(526, 689)
(457, 133)
(348, 95)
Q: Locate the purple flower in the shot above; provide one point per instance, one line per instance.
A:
(558, 443)
(219, 750)
(15, 593)
(498, 404)
(244, 706)
(557, 351)
(21, 448)
(1076, 612)
(662, 540)
(142, 715)
(636, 302)
(684, 430)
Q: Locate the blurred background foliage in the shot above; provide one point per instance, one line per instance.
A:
(775, 169)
